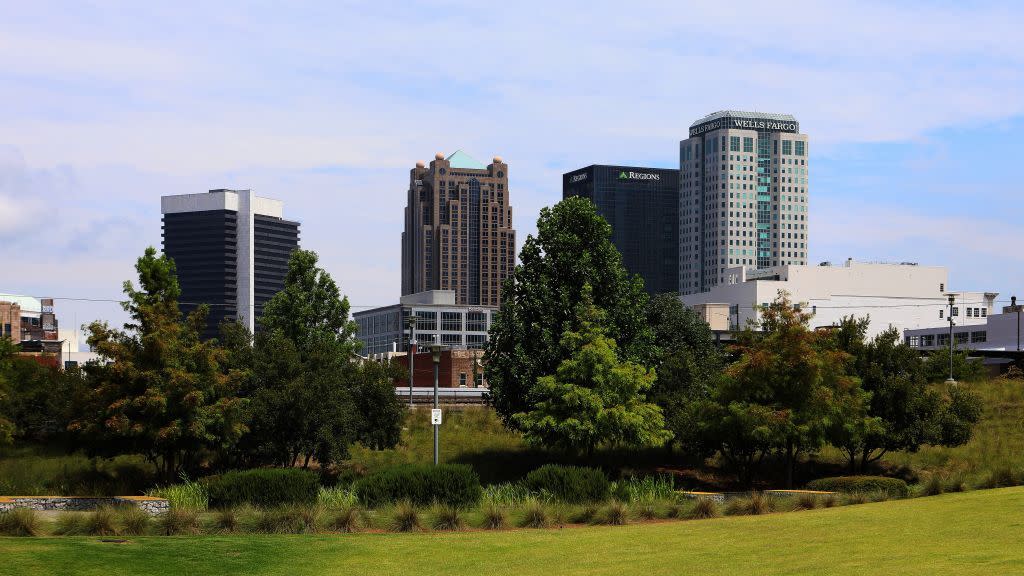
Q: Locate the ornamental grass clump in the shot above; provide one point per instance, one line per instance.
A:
(186, 495)
(179, 522)
(336, 498)
(101, 522)
(346, 520)
(806, 501)
(133, 521)
(535, 514)
(20, 522)
(405, 517)
(894, 487)
(288, 519)
(70, 524)
(495, 516)
(933, 487)
(226, 520)
(447, 517)
(705, 508)
(614, 513)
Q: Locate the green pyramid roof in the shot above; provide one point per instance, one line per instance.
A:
(462, 160)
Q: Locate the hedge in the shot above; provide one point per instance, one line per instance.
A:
(263, 487)
(452, 484)
(894, 487)
(573, 484)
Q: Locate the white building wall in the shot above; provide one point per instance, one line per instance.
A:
(899, 295)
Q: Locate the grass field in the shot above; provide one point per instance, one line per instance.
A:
(965, 534)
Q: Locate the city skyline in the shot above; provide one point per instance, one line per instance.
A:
(106, 111)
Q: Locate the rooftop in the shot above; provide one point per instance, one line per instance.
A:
(741, 114)
(27, 303)
(462, 160)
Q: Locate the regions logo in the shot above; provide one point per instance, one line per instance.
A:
(638, 176)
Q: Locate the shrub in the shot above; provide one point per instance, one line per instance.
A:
(705, 508)
(535, 514)
(346, 520)
(494, 516)
(70, 524)
(806, 501)
(507, 493)
(187, 495)
(263, 487)
(100, 522)
(646, 489)
(933, 486)
(447, 518)
(288, 519)
(179, 522)
(451, 484)
(20, 522)
(829, 501)
(1003, 477)
(405, 517)
(573, 484)
(855, 498)
(134, 521)
(894, 487)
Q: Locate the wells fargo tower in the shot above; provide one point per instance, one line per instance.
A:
(458, 229)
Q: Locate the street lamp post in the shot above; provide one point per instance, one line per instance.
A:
(435, 349)
(412, 352)
(951, 380)
(1013, 306)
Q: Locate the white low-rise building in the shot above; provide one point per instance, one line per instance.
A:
(996, 332)
(904, 296)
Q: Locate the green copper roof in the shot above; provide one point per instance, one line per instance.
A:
(462, 160)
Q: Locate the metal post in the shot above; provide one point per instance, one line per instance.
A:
(951, 380)
(436, 349)
(411, 352)
(1013, 304)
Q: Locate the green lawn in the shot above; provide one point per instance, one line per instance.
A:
(969, 533)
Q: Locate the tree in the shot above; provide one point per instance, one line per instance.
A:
(788, 387)
(310, 399)
(907, 412)
(163, 394)
(593, 398)
(572, 249)
(688, 364)
(7, 427)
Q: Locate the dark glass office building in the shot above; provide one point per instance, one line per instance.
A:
(231, 251)
(642, 206)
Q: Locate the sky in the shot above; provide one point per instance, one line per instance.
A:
(913, 112)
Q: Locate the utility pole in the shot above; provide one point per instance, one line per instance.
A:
(435, 414)
(411, 351)
(951, 380)
(1013, 306)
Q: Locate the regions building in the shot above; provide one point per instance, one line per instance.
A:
(904, 296)
(642, 207)
(439, 319)
(231, 250)
(743, 196)
(458, 229)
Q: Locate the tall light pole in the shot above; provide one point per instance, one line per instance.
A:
(1013, 306)
(951, 380)
(412, 352)
(435, 419)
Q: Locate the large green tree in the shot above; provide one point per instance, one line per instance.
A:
(572, 249)
(593, 398)
(907, 412)
(788, 387)
(689, 364)
(310, 398)
(163, 393)
(7, 427)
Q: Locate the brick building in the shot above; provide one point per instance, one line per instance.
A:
(457, 369)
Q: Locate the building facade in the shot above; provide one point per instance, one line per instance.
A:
(458, 229)
(642, 207)
(974, 328)
(231, 250)
(25, 318)
(439, 319)
(743, 196)
(904, 296)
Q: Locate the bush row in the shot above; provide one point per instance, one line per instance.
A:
(451, 484)
(894, 487)
(262, 487)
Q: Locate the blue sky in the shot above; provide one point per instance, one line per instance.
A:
(914, 112)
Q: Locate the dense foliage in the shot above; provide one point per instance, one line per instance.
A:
(541, 301)
(262, 487)
(593, 398)
(451, 484)
(894, 487)
(573, 484)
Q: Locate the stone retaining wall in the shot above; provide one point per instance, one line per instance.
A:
(153, 506)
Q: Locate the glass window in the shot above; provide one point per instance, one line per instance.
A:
(451, 321)
(451, 339)
(787, 146)
(979, 336)
(476, 322)
(426, 320)
(799, 146)
(962, 337)
(734, 143)
(943, 339)
(462, 379)
(748, 144)
(476, 340)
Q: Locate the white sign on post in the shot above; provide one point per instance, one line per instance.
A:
(435, 416)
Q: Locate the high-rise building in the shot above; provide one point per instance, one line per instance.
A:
(743, 196)
(231, 250)
(642, 207)
(458, 229)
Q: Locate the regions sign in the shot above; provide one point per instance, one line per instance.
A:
(628, 175)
